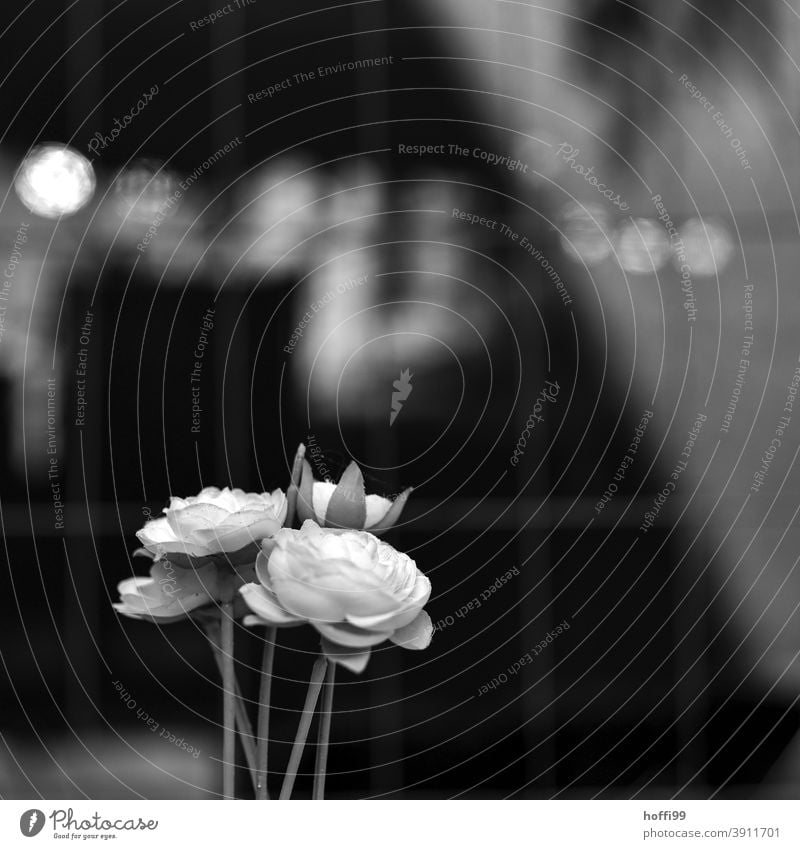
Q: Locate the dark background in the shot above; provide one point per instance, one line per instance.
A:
(648, 692)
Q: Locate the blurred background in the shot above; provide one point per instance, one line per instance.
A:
(230, 229)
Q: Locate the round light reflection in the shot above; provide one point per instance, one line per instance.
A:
(707, 244)
(642, 246)
(54, 180)
(586, 232)
(142, 190)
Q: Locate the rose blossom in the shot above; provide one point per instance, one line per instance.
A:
(345, 505)
(354, 589)
(169, 594)
(215, 522)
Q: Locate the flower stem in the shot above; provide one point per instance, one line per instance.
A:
(314, 686)
(263, 714)
(245, 733)
(242, 719)
(324, 736)
(291, 495)
(228, 702)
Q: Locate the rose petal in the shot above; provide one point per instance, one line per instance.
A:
(312, 561)
(353, 659)
(130, 586)
(193, 518)
(245, 518)
(204, 579)
(393, 514)
(210, 493)
(167, 594)
(155, 605)
(252, 621)
(344, 634)
(377, 508)
(305, 505)
(156, 532)
(348, 507)
(262, 568)
(315, 570)
(265, 606)
(178, 547)
(416, 635)
(330, 596)
(306, 601)
(386, 621)
(245, 556)
(142, 617)
(182, 560)
(420, 591)
(233, 535)
(321, 494)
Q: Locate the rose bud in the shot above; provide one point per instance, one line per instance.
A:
(356, 590)
(345, 505)
(218, 525)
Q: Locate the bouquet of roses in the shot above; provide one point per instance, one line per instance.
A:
(227, 554)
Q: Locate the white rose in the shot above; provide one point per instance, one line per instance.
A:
(217, 521)
(169, 594)
(356, 590)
